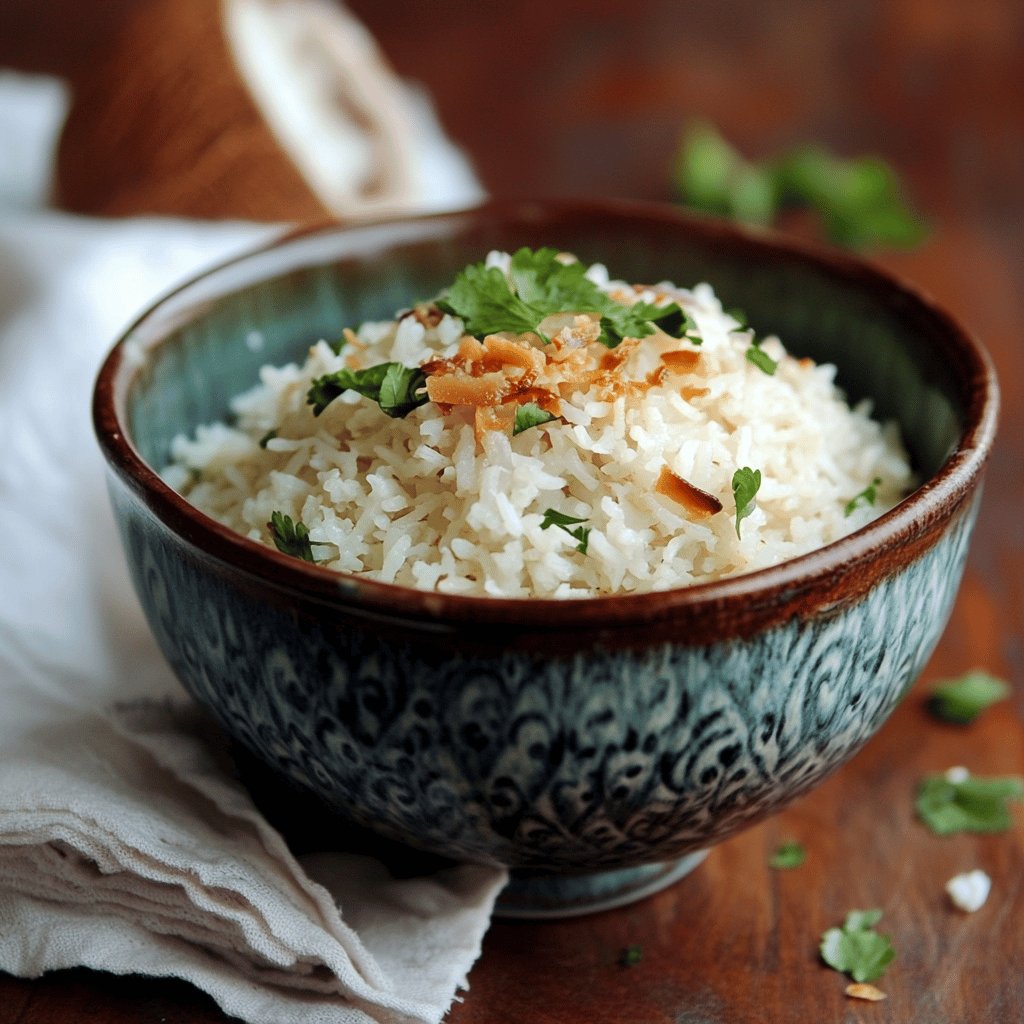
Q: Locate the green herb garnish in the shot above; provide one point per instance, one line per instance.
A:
(538, 285)
(564, 522)
(856, 948)
(866, 497)
(268, 436)
(858, 202)
(530, 414)
(764, 362)
(745, 484)
(631, 956)
(290, 537)
(972, 804)
(788, 855)
(962, 700)
(397, 389)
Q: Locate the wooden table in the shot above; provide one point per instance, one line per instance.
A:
(550, 100)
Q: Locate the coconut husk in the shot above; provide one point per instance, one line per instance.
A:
(259, 109)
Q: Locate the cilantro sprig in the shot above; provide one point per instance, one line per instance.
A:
(397, 389)
(746, 482)
(581, 534)
(291, 538)
(972, 804)
(858, 202)
(539, 285)
(961, 700)
(856, 948)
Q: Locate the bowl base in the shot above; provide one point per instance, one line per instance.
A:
(539, 895)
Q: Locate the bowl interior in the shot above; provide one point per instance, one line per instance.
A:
(269, 307)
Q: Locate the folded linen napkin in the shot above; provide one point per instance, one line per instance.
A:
(124, 844)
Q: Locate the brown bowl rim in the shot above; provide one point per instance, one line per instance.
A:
(825, 578)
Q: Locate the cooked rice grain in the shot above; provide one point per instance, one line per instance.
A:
(422, 502)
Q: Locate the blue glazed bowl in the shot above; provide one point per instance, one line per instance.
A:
(562, 737)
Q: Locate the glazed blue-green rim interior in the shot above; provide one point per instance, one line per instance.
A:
(181, 363)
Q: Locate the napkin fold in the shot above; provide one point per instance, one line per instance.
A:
(126, 843)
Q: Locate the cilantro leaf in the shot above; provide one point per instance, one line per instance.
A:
(764, 362)
(856, 948)
(745, 484)
(858, 202)
(565, 522)
(974, 804)
(788, 855)
(290, 537)
(392, 386)
(398, 390)
(962, 700)
(530, 414)
(631, 956)
(865, 497)
(485, 302)
(543, 281)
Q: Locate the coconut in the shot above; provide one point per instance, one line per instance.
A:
(263, 109)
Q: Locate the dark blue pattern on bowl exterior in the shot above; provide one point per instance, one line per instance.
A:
(586, 761)
(570, 735)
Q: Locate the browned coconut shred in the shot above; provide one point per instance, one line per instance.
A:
(698, 504)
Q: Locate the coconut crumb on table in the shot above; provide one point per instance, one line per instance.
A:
(860, 990)
(969, 891)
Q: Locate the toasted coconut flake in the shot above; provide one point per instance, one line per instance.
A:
(502, 350)
(683, 359)
(470, 349)
(697, 503)
(860, 990)
(493, 417)
(459, 388)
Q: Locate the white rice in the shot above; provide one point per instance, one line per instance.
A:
(419, 502)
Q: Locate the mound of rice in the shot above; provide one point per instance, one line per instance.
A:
(432, 501)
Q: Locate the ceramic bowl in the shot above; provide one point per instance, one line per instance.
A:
(616, 734)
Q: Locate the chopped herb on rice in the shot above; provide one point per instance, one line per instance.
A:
(437, 450)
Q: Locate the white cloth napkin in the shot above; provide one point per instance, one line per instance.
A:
(124, 845)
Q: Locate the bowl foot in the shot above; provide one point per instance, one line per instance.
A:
(538, 895)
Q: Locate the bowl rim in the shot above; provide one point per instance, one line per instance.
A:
(738, 605)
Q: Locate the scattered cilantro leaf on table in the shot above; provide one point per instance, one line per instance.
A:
(581, 534)
(788, 855)
(859, 202)
(745, 484)
(961, 700)
(866, 497)
(973, 804)
(856, 948)
(631, 956)
(530, 414)
(289, 537)
(397, 389)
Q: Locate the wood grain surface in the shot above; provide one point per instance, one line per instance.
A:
(561, 99)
